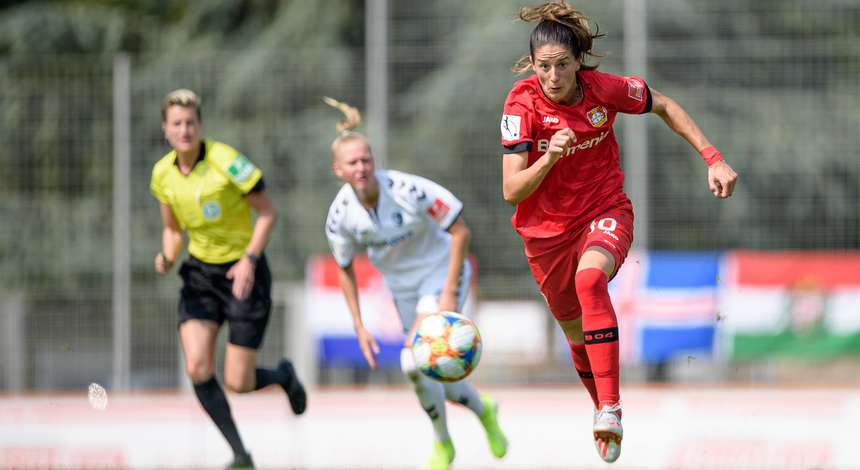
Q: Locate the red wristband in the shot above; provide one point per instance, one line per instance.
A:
(711, 155)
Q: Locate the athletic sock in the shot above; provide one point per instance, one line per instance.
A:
(266, 377)
(285, 376)
(600, 329)
(214, 401)
(583, 369)
(464, 393)
(431, 395)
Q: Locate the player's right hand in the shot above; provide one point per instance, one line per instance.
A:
(559, 143)
(368, 346)
(162, 264)
(721, 179)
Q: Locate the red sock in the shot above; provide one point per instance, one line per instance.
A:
(583, 368)
(600, 328)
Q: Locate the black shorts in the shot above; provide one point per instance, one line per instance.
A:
(207, 294)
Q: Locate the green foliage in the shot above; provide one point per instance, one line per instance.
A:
(772, 83)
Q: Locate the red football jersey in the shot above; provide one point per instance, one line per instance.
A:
(588, 179)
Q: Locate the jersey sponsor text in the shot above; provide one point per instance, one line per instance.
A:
(543, 144)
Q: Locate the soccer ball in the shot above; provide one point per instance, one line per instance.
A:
(446, 346)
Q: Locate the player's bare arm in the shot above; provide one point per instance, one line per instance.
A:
(349, 287)
(171, 241)
(721, 176)
(242, 273)
(519, 180)
(460, 236)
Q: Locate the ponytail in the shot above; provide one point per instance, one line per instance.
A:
(352, 117)
(558, 23)
(345, 127)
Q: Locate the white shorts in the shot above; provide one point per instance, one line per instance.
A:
(425, 298)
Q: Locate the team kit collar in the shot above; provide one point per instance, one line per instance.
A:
(200, 156)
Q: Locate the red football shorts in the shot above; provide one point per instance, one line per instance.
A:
(553, 261)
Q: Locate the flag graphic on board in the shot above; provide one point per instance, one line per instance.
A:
(666, 303)
(803, 305)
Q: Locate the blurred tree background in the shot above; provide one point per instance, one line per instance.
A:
(774, 84)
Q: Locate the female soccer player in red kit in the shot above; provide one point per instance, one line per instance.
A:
(561, 170)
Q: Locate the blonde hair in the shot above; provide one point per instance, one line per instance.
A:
(558, 23)
(181, 97)
(345, 127)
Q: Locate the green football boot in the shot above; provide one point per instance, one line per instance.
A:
(495, 437)
(242, 462)
(443, 455)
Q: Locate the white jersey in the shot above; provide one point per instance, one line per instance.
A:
(405, 235)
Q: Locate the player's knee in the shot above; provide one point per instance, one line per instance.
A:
(407, 365)
(590, 283)
(199, 371)
(237, 385)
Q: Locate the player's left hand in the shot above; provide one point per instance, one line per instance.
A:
(242, 274)
(721, 179)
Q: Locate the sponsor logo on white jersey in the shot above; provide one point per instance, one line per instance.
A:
(550, 120)
(543, 144)
(510, 127)
(438, 210)
(388, 242)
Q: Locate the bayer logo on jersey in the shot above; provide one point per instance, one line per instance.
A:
(447, 346)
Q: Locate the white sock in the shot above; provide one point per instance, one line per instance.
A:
(464, 393)
(431, 394)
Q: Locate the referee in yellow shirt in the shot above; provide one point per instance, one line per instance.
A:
(208, 190)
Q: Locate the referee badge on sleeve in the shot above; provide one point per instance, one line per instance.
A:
(241, 169)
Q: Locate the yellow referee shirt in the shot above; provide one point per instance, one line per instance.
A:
(209, 203)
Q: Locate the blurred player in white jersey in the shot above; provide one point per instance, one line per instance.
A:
(414, 235)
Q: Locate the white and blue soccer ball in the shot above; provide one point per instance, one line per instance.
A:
(446, 346)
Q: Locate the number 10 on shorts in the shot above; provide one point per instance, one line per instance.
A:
(606, 225)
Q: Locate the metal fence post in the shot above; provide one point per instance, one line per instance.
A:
(121, 298)
(14, 355)
(635, 128)
(376, 57)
